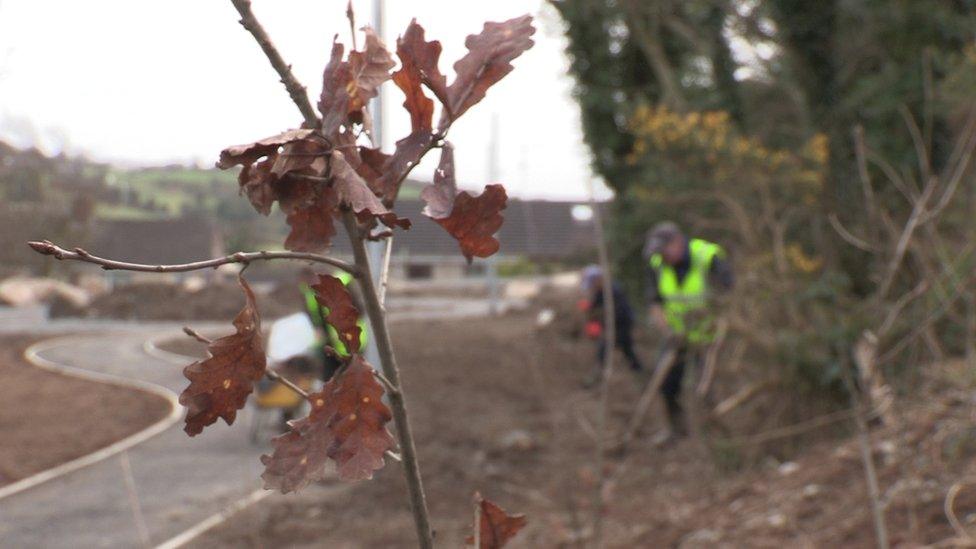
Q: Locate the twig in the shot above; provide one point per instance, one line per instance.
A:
(374, 307)
(385, 270)
(351, 16)
(477, 522)
(390, 387)
(130, 488)
(949, 506)
(741, 397)
(867, 461)
(196, 335)
(48, 248)
(906, 236)
(606, 369)
(899, 305)
(295, 89)
(271, 374)
(384, 345)
(651, 390)
(847, 235)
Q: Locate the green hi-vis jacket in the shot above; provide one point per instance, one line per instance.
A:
(319, 314)
(685, 301)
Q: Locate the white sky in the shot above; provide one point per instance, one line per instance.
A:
(144, 82)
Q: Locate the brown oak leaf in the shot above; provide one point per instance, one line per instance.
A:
(347, 86)
(353, 191)
(408, 153)
(220, 384)
(256, 184)
(488, 60)
(372, 166)
(305, 157)
(347, 424)
(369, 68)
(312, 225)
(334, 100)
(496, 527)
(472, 221)
(439, 195)
(342, 314)
(243, 155)
(271, 168)
(419, 60)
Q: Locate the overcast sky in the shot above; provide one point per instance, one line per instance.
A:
(147, 82)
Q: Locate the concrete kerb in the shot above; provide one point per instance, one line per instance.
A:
(33, 355)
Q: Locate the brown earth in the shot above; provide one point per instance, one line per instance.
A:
(497, 407)
(161, 301)
(47, 419)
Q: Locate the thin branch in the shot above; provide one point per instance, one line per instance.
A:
(867, 460)
(295, 89)
(918, 140)
(272, 375)
(848, 236)
(387, 384)
(899, 305)
(196, 335)
(351, 16)
(949, 507)
(384, 345)
(860, 151)
(606, 369)
(968, 144)
(46, 247)
(275, 376)
(918, 210)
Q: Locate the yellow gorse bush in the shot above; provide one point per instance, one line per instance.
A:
(708, 143)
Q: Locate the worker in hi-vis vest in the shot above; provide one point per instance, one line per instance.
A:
(328, 337)
(684, 273)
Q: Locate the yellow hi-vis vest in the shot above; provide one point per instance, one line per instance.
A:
(319, 314)
(685, 301)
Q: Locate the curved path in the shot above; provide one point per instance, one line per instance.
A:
(176, 481)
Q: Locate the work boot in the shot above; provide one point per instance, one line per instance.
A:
(675, 430)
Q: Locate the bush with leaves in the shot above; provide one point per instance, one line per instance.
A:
(324, 173)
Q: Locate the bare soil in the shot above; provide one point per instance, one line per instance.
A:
(497, 407)
(47, 419)
(164, 301)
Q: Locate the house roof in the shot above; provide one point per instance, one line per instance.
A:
(536, 229)
(155, 241)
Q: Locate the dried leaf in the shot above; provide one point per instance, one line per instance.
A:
(342, 314)
(408, 153)
(220, 384)
(488, 60)
(334, 100)
(497, 527)
(256, 183)
(353, 192)
(306, 157)
(347, 424)
(472, 221)
(243, 155)
(419, 60)
(347, 86)
(369, 69)
(312, 226)
(439, 196)
(372, 166)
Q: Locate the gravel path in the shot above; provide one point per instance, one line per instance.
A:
(178, 480)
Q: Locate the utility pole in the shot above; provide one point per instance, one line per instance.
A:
(494, 298)
(378, 251)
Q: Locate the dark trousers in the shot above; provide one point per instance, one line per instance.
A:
(671, 387)
(625, 342)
